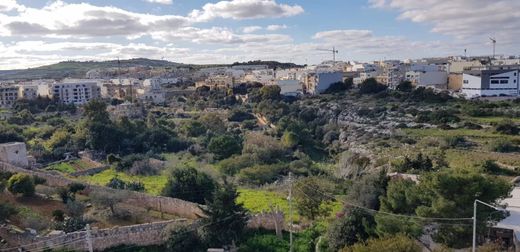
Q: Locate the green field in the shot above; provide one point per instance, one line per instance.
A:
(257, 201)
(63, 167)
(152, 184)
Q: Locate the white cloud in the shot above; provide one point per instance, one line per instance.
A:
(219, 35)
(9, 5)
(251, 29)
(60, 19)
(245, 9)
(465, 20)
(276, 27)
(160, 1)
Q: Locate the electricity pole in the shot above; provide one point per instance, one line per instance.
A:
(474, 246)
(89, 239)
(290, 214)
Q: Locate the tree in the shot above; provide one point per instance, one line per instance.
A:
(270, 92)
(225, 218)
(371, 86)
(404, 86)
(367, 190)
(310, 194)
(96, 111)
(224, 146)
(21, 184)
(193, 128)
(190, 185)
(184, 239)
(355, 226)
(106, 199)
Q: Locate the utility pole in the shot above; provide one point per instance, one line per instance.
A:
(89, 239)
(474, 246)
(290, 214)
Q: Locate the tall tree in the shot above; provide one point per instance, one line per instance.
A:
(225, 219)
(190, 185)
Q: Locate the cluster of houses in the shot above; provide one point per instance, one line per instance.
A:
(470, 77)
(81, 91)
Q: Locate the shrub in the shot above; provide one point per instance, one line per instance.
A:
(233, 165)
(398, 243)
(190, 185)
(261, 174)
(58, 215)
(240, 116)
(504, 146)
(6, 211)
(507, 127)
(354, 227)
(21, 184)
(224, 146)
(371, 86)
(455, 141)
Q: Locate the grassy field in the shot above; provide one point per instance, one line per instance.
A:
(63, 167)
(257, 201)
(152, 184)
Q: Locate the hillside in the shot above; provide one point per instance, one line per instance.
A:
(77, 69)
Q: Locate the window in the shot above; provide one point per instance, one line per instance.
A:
(466, 81)
(495, 82)
(504, 81)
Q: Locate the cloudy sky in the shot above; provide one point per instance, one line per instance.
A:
(39, 32)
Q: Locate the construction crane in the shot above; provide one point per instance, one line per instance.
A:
(334, 52)
(494, 45)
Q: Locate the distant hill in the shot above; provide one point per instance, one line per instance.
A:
(78, 69)
(270, 64)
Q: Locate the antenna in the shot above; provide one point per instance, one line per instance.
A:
(334, 52)
(494, 45)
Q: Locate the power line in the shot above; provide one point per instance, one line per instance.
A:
(387, 213)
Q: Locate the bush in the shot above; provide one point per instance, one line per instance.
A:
(264, 242)
(21, 184)
(184, 239)
(6, 211)
(224, 146)
(233, 165)
(504, 146)
(371, 86)
(507, 127)
(354, 227)
(404, 86)
(58, 215)
(398, 243)
(190, 185)
(240, 116)
(438, 117)
(455, 141)
(261, 174)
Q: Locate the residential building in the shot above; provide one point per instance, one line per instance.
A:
(76, 92)
(264, 76)
(111, 90)
(28, 92)
(8, 96)
(437, 79)
(318, 82)
(392, 73)
(126, 109)
(290, 87)
(490, 83)
(216, 82)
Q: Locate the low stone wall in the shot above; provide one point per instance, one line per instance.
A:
(89, 172)
(139, 235)
(269, 221)
(168, 205)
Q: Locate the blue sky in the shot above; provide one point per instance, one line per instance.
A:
(36, 32)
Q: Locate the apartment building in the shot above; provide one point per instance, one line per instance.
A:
(75, 92)
(319, 82)
(8, 96)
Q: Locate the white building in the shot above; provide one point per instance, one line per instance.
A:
(264, 76)
(28, 92)
(8, 95)
(290, 87)
(76, 92)
(490, 83)
(317, 83)
(437, 79)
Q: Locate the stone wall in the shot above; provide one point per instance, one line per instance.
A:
(136, 235)
(168, 205)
